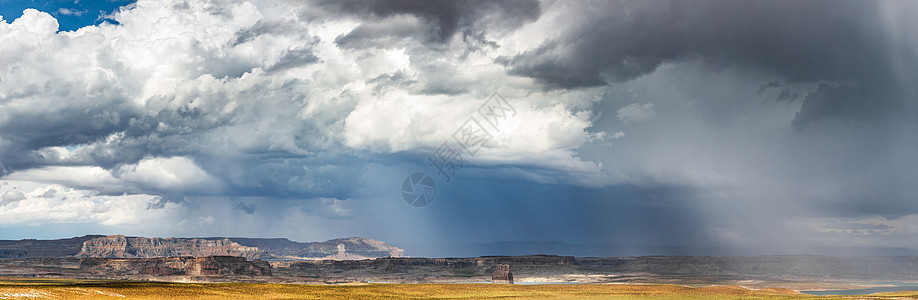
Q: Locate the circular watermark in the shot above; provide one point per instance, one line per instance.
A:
(419, 189)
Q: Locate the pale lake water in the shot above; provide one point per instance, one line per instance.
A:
(522, 283)
(894, 287)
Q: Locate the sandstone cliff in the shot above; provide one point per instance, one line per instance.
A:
(337, 249)
(176, 266)
(119, 246)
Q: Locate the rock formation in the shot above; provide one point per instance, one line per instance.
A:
(30, 248)
(524, 268)
(119, 246)
(177, 266)
(502, 274)
(336, 249)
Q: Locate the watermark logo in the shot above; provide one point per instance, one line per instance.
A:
(481, 127)
(472, 136)
(447, 160)
(419, 189)
(496, 110)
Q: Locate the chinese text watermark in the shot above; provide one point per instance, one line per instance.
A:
(480, 128)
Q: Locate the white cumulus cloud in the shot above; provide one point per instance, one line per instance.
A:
(636, 112)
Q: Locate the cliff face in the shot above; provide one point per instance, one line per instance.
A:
(176, 266)
(352, 248)
(119, 246)
(336, 249)
(481, 266)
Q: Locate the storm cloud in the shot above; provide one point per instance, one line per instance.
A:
(691, 123)
(442, 18)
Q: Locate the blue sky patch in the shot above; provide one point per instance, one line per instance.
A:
(70, 14)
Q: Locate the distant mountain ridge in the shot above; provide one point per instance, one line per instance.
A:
(336, 249)
(119, 246)
(43, 248)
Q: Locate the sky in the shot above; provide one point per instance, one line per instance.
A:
(772, 126)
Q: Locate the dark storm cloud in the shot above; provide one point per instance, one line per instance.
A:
(383, 34)
(681, 117)
(844, 42)
(620, 40)
(848, 101)
(492, 210)
(160, 201)
(284, 175)
(82, 119)
(447, 17)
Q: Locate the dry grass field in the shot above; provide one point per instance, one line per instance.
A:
(37, 288)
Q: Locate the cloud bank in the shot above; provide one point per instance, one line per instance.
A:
(734, 120)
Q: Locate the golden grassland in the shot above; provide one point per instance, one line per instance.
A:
(39, 288)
